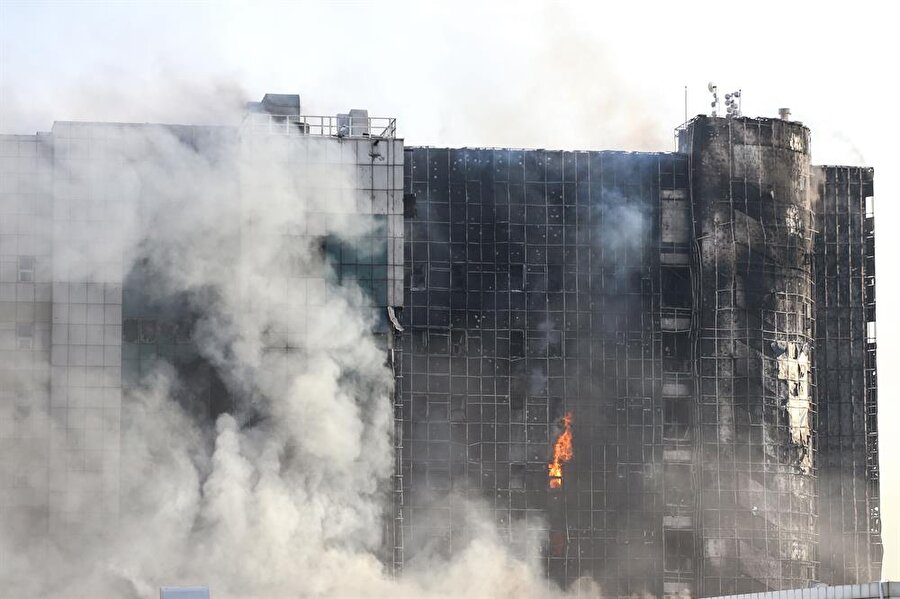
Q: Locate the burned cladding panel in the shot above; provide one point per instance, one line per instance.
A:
(532, 282)
(754, 227)
(849, 513)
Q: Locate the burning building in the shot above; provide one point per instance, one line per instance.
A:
(706, 320)
(659, 368)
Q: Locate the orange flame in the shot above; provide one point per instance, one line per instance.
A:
(562, 452)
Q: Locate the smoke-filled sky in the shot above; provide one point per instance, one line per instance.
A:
(586, 76)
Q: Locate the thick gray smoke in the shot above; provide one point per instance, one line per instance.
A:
(283, 495)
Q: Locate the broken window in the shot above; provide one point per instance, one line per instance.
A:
(677, 418)
(557, 543)
(676, 349)
(26, 269)
(678, 550)
(675, 286)
(458, 342)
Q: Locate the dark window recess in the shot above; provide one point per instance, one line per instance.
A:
(516, 277)
(148, 331)
(676, 352)
(676, 287)
(458, 408)
(679, 550)
(417, 279)
(324, 246)
(439, 279)
(26, 269)
(409, 205)
(516, 344)
(557, 543)
(130, 330)
(517, 476)
(458, 277)
(677, 418)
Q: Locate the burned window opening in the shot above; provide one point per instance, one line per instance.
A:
(409, 205)
(675, 287)
(678, 549)
(677, 351)
(677, 418)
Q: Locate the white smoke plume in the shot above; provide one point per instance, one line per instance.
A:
(285, 494)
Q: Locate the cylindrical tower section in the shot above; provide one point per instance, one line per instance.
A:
(753, 228)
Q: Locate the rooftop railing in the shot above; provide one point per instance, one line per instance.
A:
(334, 126)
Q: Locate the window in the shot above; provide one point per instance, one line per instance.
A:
(679, 550)
(438, 479)
(130, 330)
(148, 331)
(677, 418)
(676, 352)
(417, 281)
(26, 269)
(409, 205)
(25, 335)
(675, 285)
(678, 484)
(517, 476)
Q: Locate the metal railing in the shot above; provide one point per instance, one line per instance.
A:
(334, 126)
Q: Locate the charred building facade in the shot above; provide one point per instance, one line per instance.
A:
(704, 320)
(706, 317)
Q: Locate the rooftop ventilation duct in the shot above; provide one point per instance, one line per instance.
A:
(277, 104)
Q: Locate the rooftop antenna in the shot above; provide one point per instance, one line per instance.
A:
(715, 101)
(733, 104)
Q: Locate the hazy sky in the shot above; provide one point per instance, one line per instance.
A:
(566, 76)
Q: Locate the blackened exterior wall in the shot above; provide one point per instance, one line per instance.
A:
(682, 307)
(754, 228)
(849, 511)
(533, 289)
